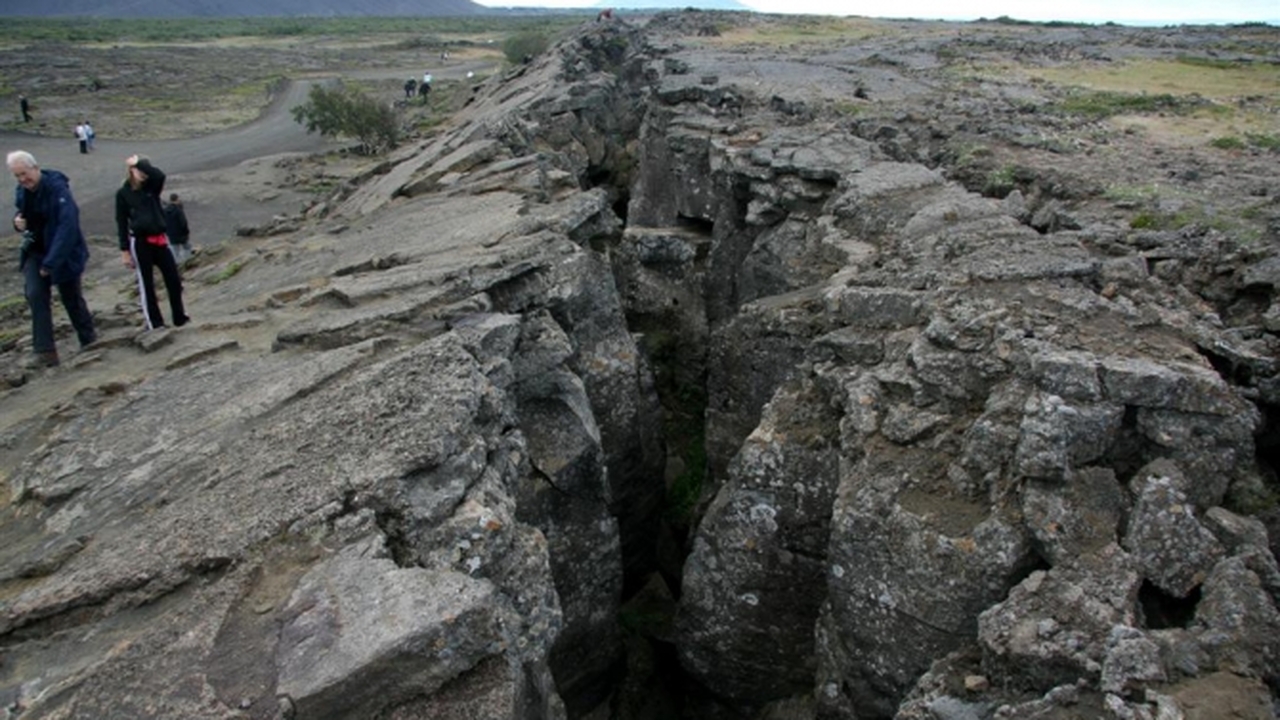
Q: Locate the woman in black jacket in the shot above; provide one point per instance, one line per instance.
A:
(143, 242)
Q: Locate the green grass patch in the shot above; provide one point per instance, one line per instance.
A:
(11, 303)
(1264, 142)
(1106, 104)
(1181, 78)
(780, 31)
(847, 108)
(228, 271)
(1208, 62)
(1269, 143)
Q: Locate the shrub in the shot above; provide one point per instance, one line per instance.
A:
(524, 45)
(345, 111)
(1000, 182)
(1228, 143)
(1265, 142)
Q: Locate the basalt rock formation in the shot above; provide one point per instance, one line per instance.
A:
(663, 384)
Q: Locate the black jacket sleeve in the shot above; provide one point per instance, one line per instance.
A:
(155, 178)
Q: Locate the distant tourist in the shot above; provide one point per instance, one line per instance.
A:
(175, 223)
(82, 136)
(605, 14)
(89, 135)
(26, 108)
(53, 253)
(140, 223)
(409, 86)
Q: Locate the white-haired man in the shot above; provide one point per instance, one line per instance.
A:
(54, 253)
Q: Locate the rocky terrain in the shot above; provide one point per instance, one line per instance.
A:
(711, 367)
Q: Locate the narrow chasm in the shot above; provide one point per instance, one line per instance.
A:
(660, 270)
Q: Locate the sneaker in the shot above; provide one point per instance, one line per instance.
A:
(41, 360)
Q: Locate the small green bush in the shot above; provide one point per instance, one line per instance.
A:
(1145, 221)
(1000, 182)
(345, 111)
(525, 45)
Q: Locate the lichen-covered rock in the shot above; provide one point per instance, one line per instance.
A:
(1132, 661)
(887, 616)
(1170, 546)
(1055, 625)
(354, 616)
(1237, 623)
(1077, 517)
(756, 577)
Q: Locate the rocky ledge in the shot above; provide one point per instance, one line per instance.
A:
(678, 380)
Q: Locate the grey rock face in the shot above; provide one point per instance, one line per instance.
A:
(752, 640)
(1172, 549)
(1055, 625)
(332, 654)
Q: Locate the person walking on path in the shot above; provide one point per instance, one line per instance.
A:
(143, 243)
(175, 223)
(26, 108)
(54, 254)
(89, 135)
(82, 135)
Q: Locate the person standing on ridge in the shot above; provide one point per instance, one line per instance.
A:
(175, 223)
(25, 105)
(143, 242)
(54, 253)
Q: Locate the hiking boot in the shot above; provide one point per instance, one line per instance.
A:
(41, 360)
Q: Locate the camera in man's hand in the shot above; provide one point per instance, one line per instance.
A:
(24, 250)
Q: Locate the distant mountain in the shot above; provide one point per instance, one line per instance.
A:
(241, 8)
(672, 4)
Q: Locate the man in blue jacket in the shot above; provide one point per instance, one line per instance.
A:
(54, 253)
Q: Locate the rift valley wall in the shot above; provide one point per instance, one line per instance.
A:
(683, 379)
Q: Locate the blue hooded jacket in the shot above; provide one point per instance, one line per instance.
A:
(65, 251)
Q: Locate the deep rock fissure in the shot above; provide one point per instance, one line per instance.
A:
(1161, 611)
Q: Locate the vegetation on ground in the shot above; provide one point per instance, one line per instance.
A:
(107, 30)
(1182, 77)
(145, 89)
(793, 30)
(344, 110)
(523, 45)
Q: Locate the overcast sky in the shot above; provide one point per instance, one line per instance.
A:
(1123, 11)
